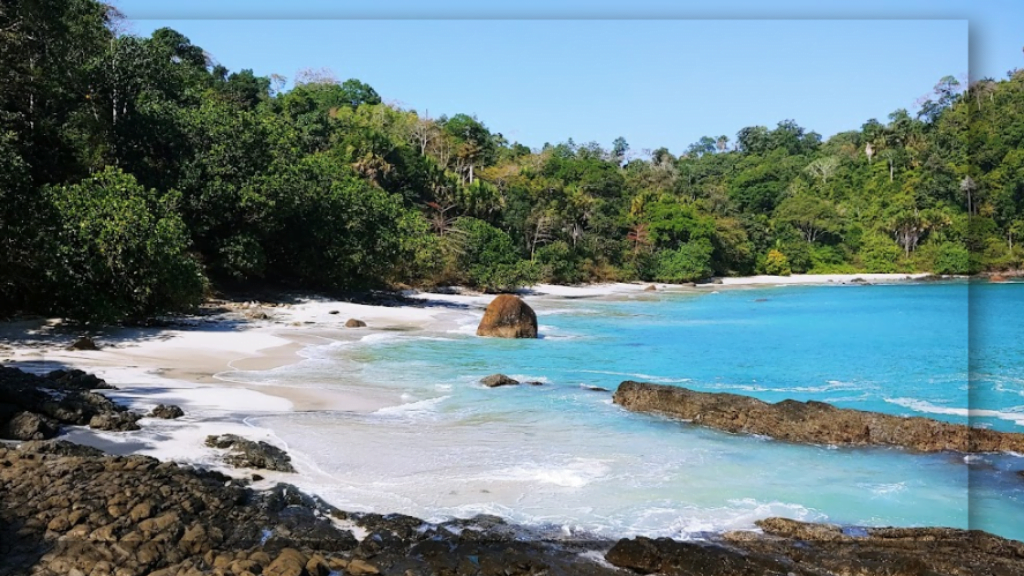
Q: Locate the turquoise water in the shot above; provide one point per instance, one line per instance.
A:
(564, 455)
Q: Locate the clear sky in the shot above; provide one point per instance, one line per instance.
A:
(655, 72)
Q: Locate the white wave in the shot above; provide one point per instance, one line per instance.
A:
(647, 377)
(928, 407)
(830, 386)
(576, 474)
(422, 407)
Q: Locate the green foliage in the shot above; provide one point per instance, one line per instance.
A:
(325, 186)
(879, 254)
(118, 251)
(689, 262)
(951, 258)
(490, 258)
(776, 264)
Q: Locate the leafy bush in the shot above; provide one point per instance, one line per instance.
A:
(951, 258)
(558, 264)
(776, 264)
(879, 254)
(118, 251)
(490, 257)
(688, 263)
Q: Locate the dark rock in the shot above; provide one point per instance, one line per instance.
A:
(115, 421)
(75, 380)
(507, 316)
(353, 323)
(334, 312)
(812, 422)
(26, 426)
(167, 412)
(59, 448)
(495, 380)
(250, 454)
(594, 388)
(535, 383)
(70, 510)
(84, 343)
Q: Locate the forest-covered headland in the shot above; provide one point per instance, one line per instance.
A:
(136, 173)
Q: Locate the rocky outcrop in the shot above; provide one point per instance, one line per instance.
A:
(70, 509)
(250, 454)
(167, 412)
(33, 407)
(495, 380)
(651, 288)
(797, 548)
(811, 422)
(353, 323)
(507, 316)
(70, 512)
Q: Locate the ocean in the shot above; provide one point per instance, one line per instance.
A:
(561, 455)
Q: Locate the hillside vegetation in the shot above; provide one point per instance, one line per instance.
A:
(135, 174)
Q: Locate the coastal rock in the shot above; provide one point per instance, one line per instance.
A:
(115, 421)
(25, 426)
(353, 323)
(507, 316)
(495, 380)
(594, 388)
(811, 422)
(73, 510)
(167, 412)
(60, 397)
(250, 454)
(651, 288)
(84, 343)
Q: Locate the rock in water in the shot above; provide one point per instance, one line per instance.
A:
(84, 343)
(812, 422)
(167, 412)
(353, 323)
(508, 316)
(249, 454)
(495, 380)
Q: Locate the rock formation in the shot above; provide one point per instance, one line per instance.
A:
(508, 316)
(167, 412)
(353, 323)
(812, 422)
(495, 380)
(250, 454)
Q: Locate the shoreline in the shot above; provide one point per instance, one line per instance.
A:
(200, 366)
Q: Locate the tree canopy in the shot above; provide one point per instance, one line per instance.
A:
(135, 173)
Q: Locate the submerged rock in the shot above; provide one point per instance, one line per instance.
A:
(167, 412)
(812, 422)
(507, 316)
(495, 380)
(250, 454)
(353, 323)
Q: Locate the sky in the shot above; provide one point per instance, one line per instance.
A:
(655, 72)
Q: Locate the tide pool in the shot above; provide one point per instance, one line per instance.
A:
(561, 454)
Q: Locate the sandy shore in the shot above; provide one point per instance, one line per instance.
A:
(198, 365)
(254, 337)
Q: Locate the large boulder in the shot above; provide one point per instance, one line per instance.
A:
(167, 412)
(508, 316)
(354, 323)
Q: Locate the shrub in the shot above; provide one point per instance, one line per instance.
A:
(879, 254)
(490, 258)
(558, 264)
(118, 251)
(776, 264)
(688, 263)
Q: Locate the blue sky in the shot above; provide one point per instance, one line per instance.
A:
(540, 73)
